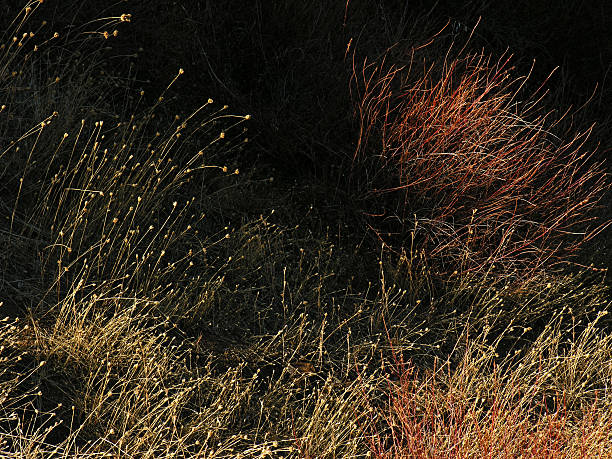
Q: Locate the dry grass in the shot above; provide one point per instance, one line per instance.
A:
(469, 171)
(547, 398)
(161, 301)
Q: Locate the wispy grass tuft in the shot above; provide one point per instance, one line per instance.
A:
(165, 294)
(466, 169)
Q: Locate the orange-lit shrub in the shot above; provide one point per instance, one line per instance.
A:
(467, 172)
(449, 414)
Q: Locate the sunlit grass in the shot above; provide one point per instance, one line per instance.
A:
(162, 300)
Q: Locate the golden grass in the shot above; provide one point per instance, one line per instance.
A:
(160, 302)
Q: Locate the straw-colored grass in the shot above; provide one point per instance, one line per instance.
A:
(164, 297)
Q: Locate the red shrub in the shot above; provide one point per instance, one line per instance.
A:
(451, 415)
(470, 173)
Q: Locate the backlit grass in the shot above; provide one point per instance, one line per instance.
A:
(164, 294)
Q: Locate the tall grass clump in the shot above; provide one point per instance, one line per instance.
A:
(101, 218)
(509, 392)
(468, 169)
(49, 81)
(121, 261)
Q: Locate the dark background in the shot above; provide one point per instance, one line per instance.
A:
(284, 62)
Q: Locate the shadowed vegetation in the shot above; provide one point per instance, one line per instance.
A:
(299, 229)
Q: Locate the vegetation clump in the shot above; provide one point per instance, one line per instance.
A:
(470, 171)
(182, 278)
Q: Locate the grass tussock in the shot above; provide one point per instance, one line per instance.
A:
(469, 170)
(532, 409)
(165, 295)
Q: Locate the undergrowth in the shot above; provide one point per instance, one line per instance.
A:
(165, 297)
